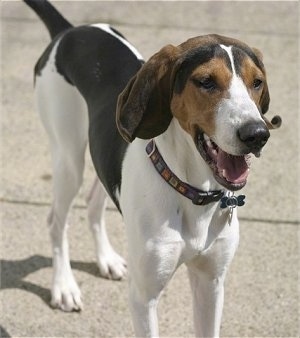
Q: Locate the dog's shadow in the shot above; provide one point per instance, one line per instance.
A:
(13, 274)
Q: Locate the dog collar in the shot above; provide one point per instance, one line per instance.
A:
(197, 196)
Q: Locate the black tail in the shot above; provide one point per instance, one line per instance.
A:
(53, 20)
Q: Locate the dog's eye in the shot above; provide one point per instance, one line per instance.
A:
(257, 83)
(206, 83)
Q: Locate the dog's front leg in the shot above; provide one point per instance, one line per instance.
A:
(207, 273)
(144, 311)
(208, 294)
(150, 271)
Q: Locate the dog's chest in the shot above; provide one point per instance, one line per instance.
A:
(202, 227)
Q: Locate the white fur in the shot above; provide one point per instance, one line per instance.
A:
(165, 230)
(233, 112)
(64, 115)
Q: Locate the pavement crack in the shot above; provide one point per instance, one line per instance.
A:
(45, 204)
(83, 206)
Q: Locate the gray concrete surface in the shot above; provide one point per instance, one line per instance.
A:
(262, 295)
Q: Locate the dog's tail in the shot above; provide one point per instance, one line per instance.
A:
(53, 20)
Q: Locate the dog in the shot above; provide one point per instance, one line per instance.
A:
(171, 140)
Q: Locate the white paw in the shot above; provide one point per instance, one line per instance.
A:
(111, 265)
(66, 295)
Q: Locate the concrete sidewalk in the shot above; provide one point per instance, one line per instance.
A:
(261, 295)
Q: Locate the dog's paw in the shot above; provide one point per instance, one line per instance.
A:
(111, 265)
(66, 296)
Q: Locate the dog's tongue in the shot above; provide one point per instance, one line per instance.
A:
(233, 168)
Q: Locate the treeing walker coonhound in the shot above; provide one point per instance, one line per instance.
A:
(192, 116)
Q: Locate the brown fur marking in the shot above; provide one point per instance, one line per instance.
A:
(196, 107)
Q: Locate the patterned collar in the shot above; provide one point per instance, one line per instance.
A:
(197, 196)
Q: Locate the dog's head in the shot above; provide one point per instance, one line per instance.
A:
(216, 88)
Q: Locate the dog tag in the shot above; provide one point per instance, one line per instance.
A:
(232, 201)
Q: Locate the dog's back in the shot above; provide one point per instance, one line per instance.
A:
(98, 62)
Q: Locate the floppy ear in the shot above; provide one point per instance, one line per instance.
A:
(265, 97)
(143, 108)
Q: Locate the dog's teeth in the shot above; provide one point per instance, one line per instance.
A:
(206, 138)
(248, 160)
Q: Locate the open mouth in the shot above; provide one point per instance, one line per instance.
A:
(229, 170)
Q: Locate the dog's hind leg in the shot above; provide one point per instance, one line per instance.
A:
(111, 265)
(63, 113)
(65, 291)
(67, 179)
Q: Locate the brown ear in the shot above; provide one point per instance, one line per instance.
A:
(143, 108)
(265, 97)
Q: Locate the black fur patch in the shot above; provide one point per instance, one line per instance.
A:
(193, 59)
(239, 53)
(100, 66)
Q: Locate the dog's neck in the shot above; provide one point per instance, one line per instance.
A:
(182, 157)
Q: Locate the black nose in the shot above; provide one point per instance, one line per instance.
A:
(254, 135)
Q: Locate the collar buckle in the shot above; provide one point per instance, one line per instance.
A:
(206, 197)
